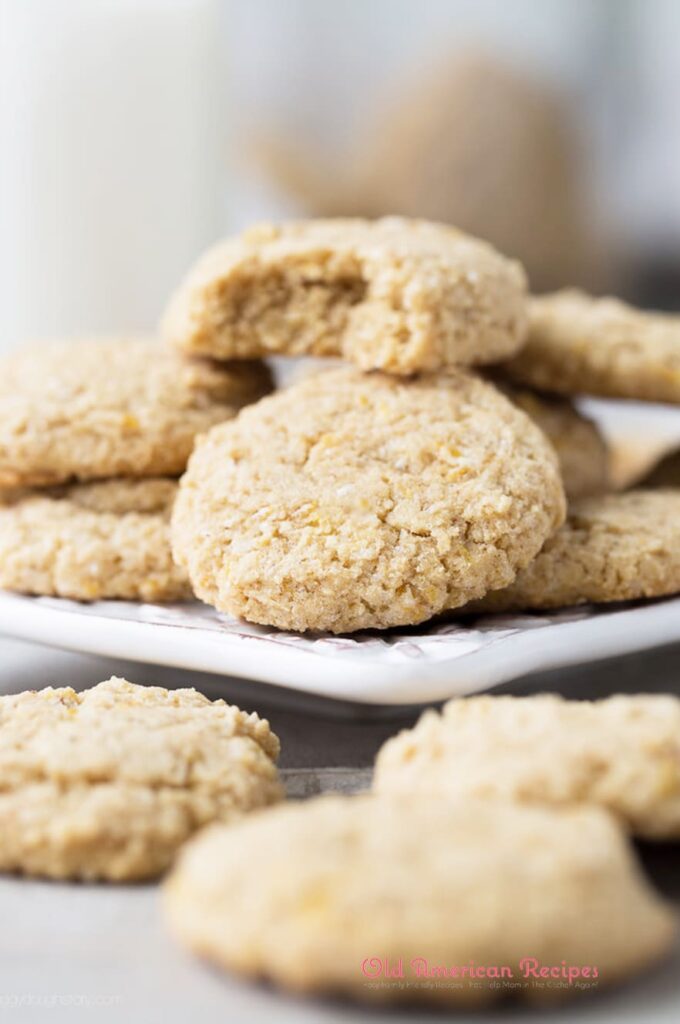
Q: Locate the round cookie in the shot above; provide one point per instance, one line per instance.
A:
(666, 472)
(113, 407)
(109, 783)
(614, 547)
(318, 896)
(581, 449)
(352, 501)
(581, 345)
(393, 294)
(92, 541)
(622, 753)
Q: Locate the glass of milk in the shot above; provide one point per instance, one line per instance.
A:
(112, 163)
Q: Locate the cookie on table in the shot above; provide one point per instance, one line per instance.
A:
(613, 547)
(108, 783)
(582, 345)
(393, 294)
(581, 449)
(666, 472)
(115, 407)
(92, 541)
(315, 895)
(352, 501)
(622, 753)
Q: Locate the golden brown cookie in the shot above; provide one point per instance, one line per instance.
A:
(113, 407)
(393, 294)
(614, 547)
(92, 541)
(108, 783)
(581, 345)
(622, 753)
(319, 896)
(352, 501)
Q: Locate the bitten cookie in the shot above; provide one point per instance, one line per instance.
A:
(581, 345)
(581, 449)
(614, 547)
(622, 753)
(393, 294)
(107, 408)
(108, 783)
(318, 896)
(353, 501)
(92, 541)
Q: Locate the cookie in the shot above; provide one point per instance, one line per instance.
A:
(322, 896)
(393, 294)
(666, 472)
(581, 345)
(108, 408)
(92, 541)
(352, 501)
(622, 753)
(581, 449)
(108, 783)
(613, 547)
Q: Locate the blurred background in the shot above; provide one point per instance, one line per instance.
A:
(136, 132)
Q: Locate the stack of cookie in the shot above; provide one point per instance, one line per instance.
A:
(373, 495)
(426, 473)
(410, 485)
(93, 435)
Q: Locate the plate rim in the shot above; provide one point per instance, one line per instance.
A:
(360, 680)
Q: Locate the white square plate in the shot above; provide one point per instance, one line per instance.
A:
(411, 666)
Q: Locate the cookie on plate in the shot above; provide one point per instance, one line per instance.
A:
(666, 472)
(613, 547)
(108, 783)
(622, 753)
(352, 501)
(393, 294)
(321, 896)
(92, 541)
(581, 345)
(581, 449)
(107, 408)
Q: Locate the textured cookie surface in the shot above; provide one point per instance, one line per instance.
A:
(622, 753)
(613, 547)
(581, 449)
(93, 541)
(307, 893)
(109, 782)
(352, 501)
(394, 294)
(581, 345)
(115, 407)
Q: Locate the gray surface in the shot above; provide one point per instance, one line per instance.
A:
(71, 952)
